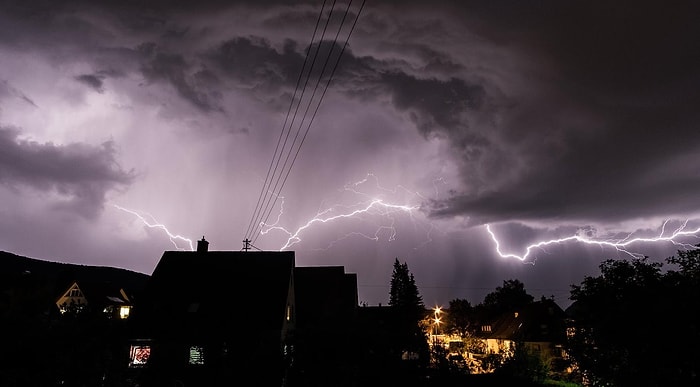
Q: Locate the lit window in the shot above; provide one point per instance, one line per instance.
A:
(138, 355)
(196, 355)
(75, 292)
(289, 312)
(124, 311)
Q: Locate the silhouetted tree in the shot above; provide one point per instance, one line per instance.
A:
(404, 293)
(460, 317)
(634, 325)
(407, 303)
(512, 295)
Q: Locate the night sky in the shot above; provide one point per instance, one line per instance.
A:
(542, 119)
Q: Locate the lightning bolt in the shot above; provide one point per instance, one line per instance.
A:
(154, 224)
(372, 206)
(620, 245)
(375, 206)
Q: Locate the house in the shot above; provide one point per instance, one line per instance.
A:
(104, 297)
(538, 326)
(217, 317)
(324, 335)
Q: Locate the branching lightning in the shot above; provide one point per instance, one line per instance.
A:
(378, 206)
(620, 245)
(153, 223)
(373, 205)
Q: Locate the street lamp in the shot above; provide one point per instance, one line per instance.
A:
(436, 322)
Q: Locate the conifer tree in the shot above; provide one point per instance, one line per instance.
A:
(407, 302)
(404, 293)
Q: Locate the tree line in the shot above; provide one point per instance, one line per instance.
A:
(634, 324)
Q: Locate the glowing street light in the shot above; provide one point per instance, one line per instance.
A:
(436, 322)
(437, 319)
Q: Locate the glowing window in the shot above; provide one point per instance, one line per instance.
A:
(196, 355)
(289, 312)
(75, 292)
(138, 355)
(124, 311)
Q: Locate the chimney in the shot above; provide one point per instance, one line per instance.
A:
(202, 246)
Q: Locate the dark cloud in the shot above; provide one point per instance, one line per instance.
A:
(612, 92)
(254, 63)
(94, 81)
(174, 69)
(438, 104)
(610, 106)
(81, 173)
(623, 160)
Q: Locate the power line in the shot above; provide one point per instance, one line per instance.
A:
(325, 89)
(268, 197)
(274, 193)
(265, 185)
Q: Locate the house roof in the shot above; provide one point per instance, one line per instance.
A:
(221, 289)
(99, 294)
(538, 321)
(103, 292)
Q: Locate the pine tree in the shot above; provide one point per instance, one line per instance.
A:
(409, 309)
(404, 293)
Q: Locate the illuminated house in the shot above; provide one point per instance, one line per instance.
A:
(539, 327)
(223, 316)
(103, 297)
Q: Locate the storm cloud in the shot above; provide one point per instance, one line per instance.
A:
(541, 119)
(79, 173)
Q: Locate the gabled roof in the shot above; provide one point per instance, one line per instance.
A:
(98, 294)
(541, 321)
(221, 289)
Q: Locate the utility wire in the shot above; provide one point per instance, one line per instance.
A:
(265, 199)
(275, 192)
(335, 67)
(265, 185)
(287, 166)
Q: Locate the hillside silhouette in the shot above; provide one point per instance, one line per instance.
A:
(43, 281)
